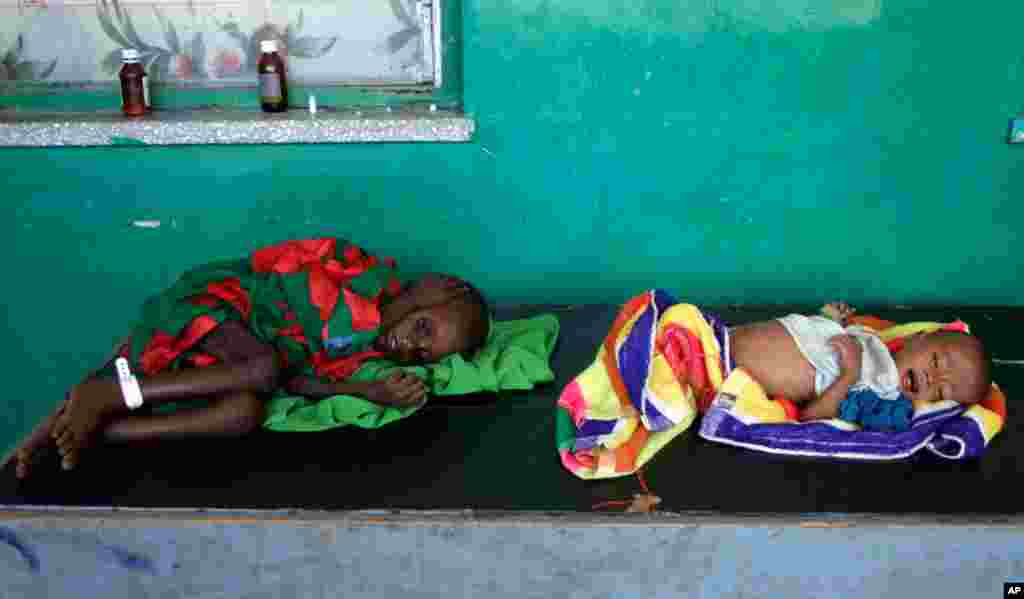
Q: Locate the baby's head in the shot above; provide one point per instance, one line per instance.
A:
(458, 323)
(944, 365)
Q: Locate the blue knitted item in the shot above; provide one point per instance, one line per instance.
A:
(873, 413)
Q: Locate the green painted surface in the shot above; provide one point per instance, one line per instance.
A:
(743, 154)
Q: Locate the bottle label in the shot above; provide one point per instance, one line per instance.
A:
(145, 91)
(132, 96)
(270, 88)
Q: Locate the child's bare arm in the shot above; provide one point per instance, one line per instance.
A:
(827, 404)
(398, 389)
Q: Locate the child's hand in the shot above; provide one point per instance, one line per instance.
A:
(850, 355)
(840, 312)
(399, 389)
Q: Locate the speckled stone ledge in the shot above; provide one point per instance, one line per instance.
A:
(204, 127)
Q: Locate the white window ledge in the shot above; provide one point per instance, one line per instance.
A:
(215, 126)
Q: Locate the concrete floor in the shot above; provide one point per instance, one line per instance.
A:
(102, 553)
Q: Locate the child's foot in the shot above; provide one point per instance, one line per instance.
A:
(25, 455)
(89, 406)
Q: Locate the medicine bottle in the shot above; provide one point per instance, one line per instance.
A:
(273, 83)
(134, 84)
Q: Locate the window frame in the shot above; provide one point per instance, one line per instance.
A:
(446, 94)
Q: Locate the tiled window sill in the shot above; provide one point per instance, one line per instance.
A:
(217, 126)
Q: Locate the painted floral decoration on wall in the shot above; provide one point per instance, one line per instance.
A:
(411, 30)
(13, 68)
(178, 58)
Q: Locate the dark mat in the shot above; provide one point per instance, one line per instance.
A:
(487, 453)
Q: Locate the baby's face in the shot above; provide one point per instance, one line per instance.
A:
(425, 336)
(939, 368)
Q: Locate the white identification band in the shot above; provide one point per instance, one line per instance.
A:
(130, 390)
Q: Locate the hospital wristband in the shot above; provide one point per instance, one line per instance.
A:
(130, 390)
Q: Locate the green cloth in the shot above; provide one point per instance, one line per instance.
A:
(516, 357)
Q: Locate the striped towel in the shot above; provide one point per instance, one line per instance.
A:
(660, 364)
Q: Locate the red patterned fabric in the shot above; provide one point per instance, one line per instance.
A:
(314, 284)
(162, 348)
(686, 357)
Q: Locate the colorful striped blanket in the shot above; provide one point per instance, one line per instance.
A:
(663, 363)
(660, 363)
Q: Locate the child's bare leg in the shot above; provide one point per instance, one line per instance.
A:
(247, 366)
(25, 454)
(227, 416)
(231, 415)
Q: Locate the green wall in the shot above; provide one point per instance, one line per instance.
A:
(728, 151)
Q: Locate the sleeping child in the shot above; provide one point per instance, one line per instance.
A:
(300, 315)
